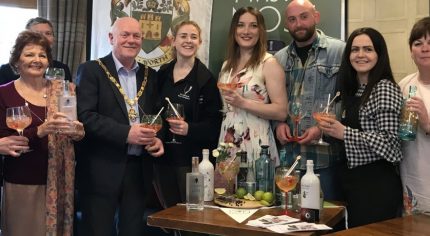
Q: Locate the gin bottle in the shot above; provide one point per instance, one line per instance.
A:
(241, 176)
(310, 195)
(67, 102)
(195, 187)
(206, 168)
(264, 170)
(281, 196)
(409, 119)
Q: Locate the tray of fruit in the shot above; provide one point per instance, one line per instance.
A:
(242, 199)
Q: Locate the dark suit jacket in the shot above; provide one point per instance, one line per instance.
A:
(102, 154)
(7, 74)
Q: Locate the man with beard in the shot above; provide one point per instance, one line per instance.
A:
(311, 63)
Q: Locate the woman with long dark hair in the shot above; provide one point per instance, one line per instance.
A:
(371, 103)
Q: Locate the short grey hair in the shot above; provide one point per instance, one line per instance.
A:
(36, 21)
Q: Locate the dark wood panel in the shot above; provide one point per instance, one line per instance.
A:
(214, 221)
(417, 225)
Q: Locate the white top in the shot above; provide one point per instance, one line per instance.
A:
(415, 167)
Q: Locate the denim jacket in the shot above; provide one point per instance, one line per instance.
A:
(311, 83)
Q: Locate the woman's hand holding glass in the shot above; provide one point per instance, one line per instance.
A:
(331, 127)
(13, 145)
(321, 110)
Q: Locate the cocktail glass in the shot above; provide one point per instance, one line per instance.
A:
(174, 111)
(286, 181)
(322, 110)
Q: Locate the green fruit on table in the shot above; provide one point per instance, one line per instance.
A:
(241, 192)
(249, 196)
(264, 203)
(258, 195)
(268, 197)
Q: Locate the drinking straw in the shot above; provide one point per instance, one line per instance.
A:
(328, 104)
(294, 165)
(174, 109)
(153, 120)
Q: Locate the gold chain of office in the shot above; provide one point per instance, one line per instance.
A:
(132, 114)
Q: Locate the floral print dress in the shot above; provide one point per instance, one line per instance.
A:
(245, 130)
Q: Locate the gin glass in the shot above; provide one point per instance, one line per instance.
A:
(174, 111)
(286, 180)
(296, 115)
(225, 84)
(53, 73)
(152, 122)
(18, 118)
(322, 109)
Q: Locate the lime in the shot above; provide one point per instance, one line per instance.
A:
(268, 197)
(258, 195)
(220, 191)
(264, 203)
(249, 196)
(241, 192)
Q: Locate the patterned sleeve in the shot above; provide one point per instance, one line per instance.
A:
(379, 120)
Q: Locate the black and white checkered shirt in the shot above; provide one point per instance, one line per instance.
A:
(379, 118)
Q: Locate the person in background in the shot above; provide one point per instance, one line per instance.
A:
(371, 103)
(31, 195)
(311, 64)
(113, 161)
(42, 26)
(187, 81)
(260, 95)
(416, 162)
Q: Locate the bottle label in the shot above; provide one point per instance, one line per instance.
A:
(309, 215)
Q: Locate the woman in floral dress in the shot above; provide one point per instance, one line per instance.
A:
(260, 94)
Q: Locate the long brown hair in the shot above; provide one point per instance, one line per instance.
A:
(233, 52)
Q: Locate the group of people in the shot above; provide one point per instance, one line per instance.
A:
(118, 161)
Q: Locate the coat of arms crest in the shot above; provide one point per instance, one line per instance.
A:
(156, 18)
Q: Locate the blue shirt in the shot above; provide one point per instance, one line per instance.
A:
(127, 79)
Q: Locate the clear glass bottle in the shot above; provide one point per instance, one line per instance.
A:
(251, 185)
(409, 119)
(241, 176)
(310, 194)
(265, 170)
(195, 187)
(206, 168)
(67, 102)
(281, 198)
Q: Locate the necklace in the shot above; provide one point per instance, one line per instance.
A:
(132, 114)
(33, 113)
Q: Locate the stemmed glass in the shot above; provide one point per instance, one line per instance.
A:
(322, 109)
(18, 118)
(224, 85)
(286, 181)
(296, 114)
(53, 73)
(152, 122)
(174, 111)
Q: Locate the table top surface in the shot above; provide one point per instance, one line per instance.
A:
(414, 225)
(214, 221)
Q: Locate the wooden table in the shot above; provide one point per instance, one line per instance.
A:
(417, 225)
(214, 221)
